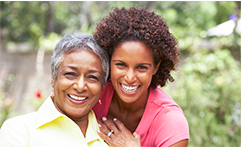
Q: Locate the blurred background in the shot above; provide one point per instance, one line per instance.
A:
(207, 83)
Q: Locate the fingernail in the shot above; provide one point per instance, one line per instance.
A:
(115, 119)
(98, 131)
(99, 125)
(104, 118)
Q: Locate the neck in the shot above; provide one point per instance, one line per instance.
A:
(137, 106)
(83, 124)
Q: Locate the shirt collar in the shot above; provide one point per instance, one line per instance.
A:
(91, 134)
(47, 113)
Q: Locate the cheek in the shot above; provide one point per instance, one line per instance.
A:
(60, 87)
(58, 90)
(64, 84)
(145, 77)
(113, 74)
(116, 73)
(95, 89)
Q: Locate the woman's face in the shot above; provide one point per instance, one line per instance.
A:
(132, 68)
(78, 84)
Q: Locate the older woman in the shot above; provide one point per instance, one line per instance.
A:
(79, 70)
(142, 54)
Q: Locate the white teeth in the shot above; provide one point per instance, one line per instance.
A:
(77, 98)
(129, 89)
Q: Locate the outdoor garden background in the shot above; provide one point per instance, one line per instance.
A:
(207, 84)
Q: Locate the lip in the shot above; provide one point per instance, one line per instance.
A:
(77, 102)
(129, 92)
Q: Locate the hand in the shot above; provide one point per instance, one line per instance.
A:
(117, 135)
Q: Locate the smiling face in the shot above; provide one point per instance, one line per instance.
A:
(78, 84)
(132, 68)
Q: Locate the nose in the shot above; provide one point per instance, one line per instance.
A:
(80, 84)
(130, 76)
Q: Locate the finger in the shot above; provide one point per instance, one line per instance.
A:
(110, 124)
(137, 136)
(99, 121)
(104, 137)
(121, 126)
(103, 128)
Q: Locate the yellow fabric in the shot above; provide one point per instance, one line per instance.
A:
(48, 128)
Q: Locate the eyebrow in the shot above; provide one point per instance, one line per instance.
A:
(94, 71)
(76, 68)
(71, 67)
(138, 64)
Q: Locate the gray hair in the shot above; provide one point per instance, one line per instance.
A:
(77, 42)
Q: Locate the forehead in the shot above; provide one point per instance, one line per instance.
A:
(82, 58)
(133, 50)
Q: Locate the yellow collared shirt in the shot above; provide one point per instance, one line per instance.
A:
(48, 128)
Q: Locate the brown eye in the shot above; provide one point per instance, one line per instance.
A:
(70, 75)
(93, 77)
(121, 65)
(142, 67)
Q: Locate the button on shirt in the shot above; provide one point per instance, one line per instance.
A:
(48, 128)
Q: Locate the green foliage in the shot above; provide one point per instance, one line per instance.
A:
(24, 20)
(49, 42)
(207, 88)
(28, 21)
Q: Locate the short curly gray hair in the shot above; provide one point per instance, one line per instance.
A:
(77, 42)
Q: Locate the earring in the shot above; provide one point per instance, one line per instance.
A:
(100, 102)
(52, 92)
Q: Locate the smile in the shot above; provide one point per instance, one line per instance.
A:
(77, 98)
(129, 88)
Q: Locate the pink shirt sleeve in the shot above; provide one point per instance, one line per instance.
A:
(171, 127)
(163, 122)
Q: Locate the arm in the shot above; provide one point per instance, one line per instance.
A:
(171, 129)
(182, 143)
(120, 136)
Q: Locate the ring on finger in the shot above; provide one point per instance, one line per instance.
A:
(110, 133)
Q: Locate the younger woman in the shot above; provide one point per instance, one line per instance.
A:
(142, 54)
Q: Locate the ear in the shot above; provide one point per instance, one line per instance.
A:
(52, 81)
(157, 67)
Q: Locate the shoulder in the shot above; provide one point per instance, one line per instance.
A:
(166, 108)
(159, 97)
(15, 131)
(20, 122)
(159, 101)
(23, 120)
(104, 101)
(107, 91)
(108, 87)
(172, 117)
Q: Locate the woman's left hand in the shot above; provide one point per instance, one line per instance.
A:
(117, 135)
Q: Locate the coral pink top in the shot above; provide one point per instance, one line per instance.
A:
(162, 124)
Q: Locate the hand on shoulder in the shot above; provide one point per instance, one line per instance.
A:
(116, 134)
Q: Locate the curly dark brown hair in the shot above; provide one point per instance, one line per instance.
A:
(139, 24)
